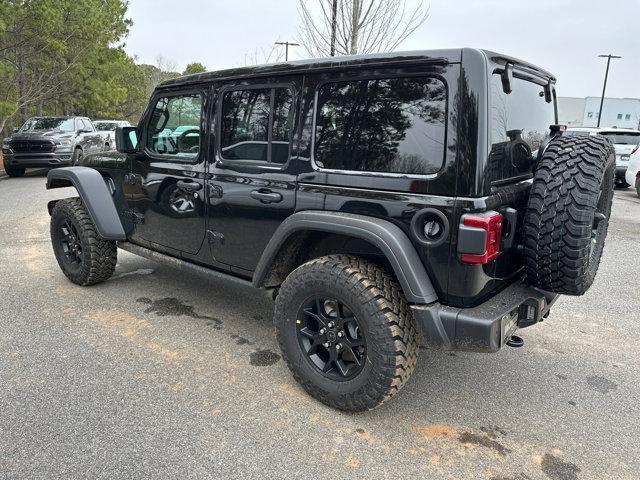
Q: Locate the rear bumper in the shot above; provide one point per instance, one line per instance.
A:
(486, 327)
(620, 171)
(37, 160)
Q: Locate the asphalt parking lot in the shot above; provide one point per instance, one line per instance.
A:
(158, 375)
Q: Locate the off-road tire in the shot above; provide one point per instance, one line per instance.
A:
(99, 256)
(376, 299)
(76, 158)
(14, 172)
(573, 180)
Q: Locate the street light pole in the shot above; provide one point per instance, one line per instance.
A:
(286, 48)
(604, 87)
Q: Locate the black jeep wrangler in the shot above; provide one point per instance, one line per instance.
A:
(386, 200)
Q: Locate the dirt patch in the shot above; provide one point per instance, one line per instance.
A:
(436, 431)
(126, 325)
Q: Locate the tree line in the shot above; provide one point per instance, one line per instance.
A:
(66, 57)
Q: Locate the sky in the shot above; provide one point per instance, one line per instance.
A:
(562, 36)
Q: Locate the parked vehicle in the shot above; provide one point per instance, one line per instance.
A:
(50, 142)
(107, 128)
(624, 142)
(632, 175)
(422, 196)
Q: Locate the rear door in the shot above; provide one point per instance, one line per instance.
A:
(252, 186)
(165, 189)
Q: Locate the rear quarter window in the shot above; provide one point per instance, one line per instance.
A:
(391, 125)
(519, 124)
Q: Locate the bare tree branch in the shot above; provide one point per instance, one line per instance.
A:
(362, 26)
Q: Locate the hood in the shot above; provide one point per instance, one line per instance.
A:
(41, 135)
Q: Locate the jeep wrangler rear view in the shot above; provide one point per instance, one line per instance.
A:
(385, 200)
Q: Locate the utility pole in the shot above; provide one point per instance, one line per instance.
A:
(604, 87)
(334, 19)
(286, 48)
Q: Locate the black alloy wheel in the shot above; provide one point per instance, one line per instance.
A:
(331, 337)
(71, 244)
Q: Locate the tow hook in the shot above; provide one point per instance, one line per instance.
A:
(515, 341)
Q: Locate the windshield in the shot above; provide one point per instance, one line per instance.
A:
(54, 123)
(106, 126)
(622, 138)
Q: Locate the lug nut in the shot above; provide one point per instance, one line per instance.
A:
(341, 334)
(323, 331)
(338, 346)
(331, 325)
(326, 344)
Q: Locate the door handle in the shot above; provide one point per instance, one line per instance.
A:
(189, 186)
(266, 196)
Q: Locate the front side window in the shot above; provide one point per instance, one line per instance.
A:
(175, 126)
(257, 124)
(392, 125)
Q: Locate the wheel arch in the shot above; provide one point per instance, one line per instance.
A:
(282, 253)
(95, 195)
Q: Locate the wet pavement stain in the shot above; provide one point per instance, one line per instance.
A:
(494, 432)
(483, 441)
(560, 376)
(241, 340)
(169, 306)
(601, 384)
(556, 469)
(263, 358)
(572, 403)
(517, 476)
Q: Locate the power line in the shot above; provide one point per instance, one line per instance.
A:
(286, 48)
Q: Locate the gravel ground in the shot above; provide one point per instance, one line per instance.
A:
(158, 375)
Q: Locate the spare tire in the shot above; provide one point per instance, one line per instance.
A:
(567, 213)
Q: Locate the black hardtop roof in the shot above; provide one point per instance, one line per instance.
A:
(452, 55)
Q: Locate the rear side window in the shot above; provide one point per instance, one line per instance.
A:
(392, 125)
(256, 124)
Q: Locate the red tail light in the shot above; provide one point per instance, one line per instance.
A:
(492, 225)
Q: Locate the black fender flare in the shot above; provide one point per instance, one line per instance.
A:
(95, 195)
(386, 236)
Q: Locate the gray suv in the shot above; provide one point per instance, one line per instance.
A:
(50, 142)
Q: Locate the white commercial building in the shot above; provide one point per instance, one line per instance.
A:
(583, 112)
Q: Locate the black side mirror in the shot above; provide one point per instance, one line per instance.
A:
(15, 129)
(127, 139)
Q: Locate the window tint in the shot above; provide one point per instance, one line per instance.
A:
(394, 125)
(519, 125)
(174, 128)
(86, 125)
(256, 124)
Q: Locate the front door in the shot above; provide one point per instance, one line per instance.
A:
(252, 188)
(165, 189)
